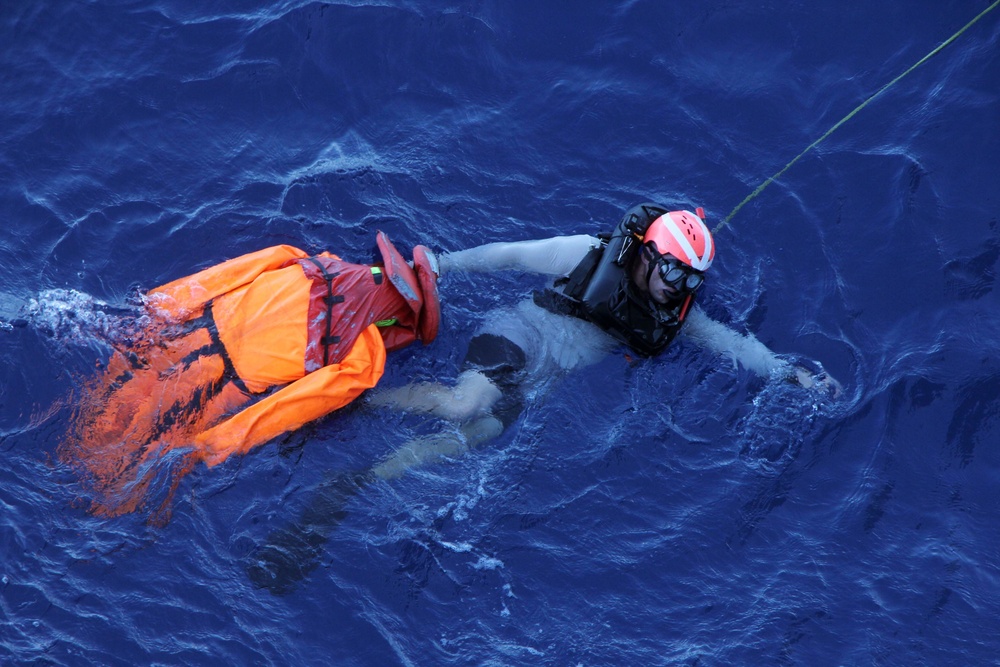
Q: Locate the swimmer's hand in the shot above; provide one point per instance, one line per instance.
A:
(819, 381)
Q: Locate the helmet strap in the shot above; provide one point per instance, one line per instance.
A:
(650, 263)
(684, 308)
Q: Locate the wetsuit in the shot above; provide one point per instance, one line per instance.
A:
(242, 352)
(532, 341)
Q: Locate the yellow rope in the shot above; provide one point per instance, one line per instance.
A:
(846, 118)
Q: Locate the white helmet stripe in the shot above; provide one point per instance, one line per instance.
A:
(685, 245)
(706, 259)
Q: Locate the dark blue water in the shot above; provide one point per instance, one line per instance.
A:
(676, 511)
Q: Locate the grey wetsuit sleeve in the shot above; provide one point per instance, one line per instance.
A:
(554, 257)
(752, 354)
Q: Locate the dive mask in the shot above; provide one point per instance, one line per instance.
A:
(678, 275)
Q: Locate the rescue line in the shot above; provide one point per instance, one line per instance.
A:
(846, 118)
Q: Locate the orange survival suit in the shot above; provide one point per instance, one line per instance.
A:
(240, 353)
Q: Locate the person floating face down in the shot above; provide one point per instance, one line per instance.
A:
(238, 354)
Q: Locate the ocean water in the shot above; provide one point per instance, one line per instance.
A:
(677, 511)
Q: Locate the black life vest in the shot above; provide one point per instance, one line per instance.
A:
(600, 289)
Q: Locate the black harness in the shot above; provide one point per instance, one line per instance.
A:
(216, 347)
(600, 289)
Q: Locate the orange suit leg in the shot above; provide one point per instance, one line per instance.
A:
(149, 402)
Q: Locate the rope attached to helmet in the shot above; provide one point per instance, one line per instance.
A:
(846, 118)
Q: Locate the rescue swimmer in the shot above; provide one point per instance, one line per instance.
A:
(606, 287)
(240, 353)
(636, 285)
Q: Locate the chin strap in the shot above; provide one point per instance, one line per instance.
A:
(650, 263)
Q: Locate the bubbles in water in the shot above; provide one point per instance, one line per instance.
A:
(780, 419)
(74, 316)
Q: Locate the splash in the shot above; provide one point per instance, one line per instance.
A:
(75, 317)
(781, 418)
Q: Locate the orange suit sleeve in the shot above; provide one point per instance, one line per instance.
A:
(184, 296)
(315, 395)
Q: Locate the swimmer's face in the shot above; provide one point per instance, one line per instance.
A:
(661, 292)
(668, 281)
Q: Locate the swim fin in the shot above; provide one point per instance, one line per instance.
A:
(294, 551)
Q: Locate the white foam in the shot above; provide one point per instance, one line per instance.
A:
(70, 315)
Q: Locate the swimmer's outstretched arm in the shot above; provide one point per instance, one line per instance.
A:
(715, 336)
(184, 296)
(749, 352)
(474, 395)
(554, 257)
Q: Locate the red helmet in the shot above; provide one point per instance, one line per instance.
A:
(683, 235)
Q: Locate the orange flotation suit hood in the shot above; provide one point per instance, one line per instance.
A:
(416, 284)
